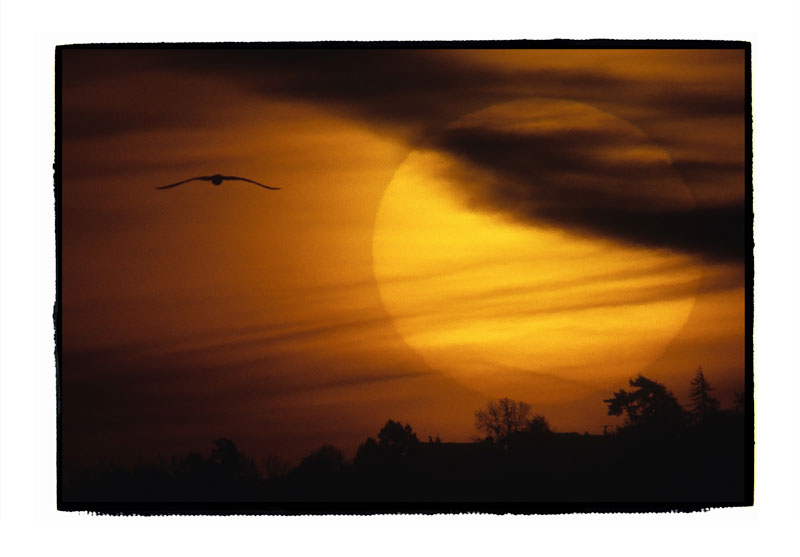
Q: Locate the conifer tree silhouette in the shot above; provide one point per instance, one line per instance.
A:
(703, 404)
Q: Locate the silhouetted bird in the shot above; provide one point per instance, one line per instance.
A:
(217, 180)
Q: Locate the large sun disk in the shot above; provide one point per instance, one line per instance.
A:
(481, 296)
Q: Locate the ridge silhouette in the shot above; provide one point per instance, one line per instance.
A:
(661, 454)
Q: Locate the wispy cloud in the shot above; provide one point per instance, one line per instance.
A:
(558, 176)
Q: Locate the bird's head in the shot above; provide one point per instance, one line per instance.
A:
(216, 179)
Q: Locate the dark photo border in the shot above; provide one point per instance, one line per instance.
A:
(388, 507)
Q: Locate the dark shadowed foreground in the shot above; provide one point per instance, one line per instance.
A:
(663, 457)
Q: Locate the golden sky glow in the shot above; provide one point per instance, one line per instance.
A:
(452, 226)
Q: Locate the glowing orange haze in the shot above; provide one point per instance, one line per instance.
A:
(372, 286)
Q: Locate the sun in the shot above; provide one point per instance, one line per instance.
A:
(506, 306)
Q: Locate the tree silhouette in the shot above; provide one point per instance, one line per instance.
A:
(397, 437)
(229, 461)
(225, 453)
(703, 404)
(502, 418)
(274, 466)
(651, 407)
(538, 425)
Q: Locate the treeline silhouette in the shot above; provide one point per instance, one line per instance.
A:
(662, 452)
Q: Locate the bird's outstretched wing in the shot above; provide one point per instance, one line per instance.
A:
(206, 178)
(248, 180)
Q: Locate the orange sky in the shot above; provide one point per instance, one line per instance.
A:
(452, 226)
